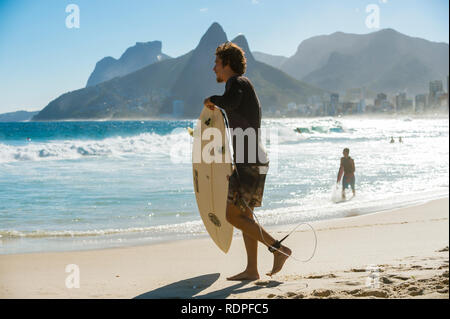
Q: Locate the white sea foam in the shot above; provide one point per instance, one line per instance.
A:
(192, 227)
(41, 195)
(145, 144)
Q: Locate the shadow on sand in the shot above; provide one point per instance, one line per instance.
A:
(190, 288)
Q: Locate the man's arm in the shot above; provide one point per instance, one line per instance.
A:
(341, 171)
(231, 99)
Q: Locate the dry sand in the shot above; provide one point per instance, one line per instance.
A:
(392, 254)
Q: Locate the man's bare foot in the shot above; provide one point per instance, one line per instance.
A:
(245, 275)
(278, 259)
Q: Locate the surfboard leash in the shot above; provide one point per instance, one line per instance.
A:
(277, 245)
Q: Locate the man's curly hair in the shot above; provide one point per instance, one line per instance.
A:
(231, 54)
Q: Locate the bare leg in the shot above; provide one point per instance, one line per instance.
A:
(251, 247)
(250, 228)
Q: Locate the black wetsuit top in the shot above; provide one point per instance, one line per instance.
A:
(241, 104)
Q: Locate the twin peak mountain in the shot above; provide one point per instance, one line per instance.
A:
(146, 83)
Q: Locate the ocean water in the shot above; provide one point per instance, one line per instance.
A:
(88, 185)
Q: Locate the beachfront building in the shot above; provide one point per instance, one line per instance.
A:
(361, 108)
(443, 100)
(402, 103)
(420, 103)
(349, 107)
(355, 94)
(334, 103)
(435, 91)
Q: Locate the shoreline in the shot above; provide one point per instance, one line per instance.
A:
(204, 235)
(438, 114)
(407, 247)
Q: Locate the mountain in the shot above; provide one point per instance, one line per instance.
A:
(197, 79)
(175, 87)
(133, 59)
(19, 116)
(383, 61)
(273, 60)
(275, 88)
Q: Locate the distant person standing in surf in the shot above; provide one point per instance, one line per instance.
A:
(348, 169)
(246, 184)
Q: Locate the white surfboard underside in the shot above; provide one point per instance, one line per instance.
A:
(211, 176)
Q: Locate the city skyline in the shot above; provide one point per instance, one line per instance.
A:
(356, 101)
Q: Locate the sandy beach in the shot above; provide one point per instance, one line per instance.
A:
(401, 253)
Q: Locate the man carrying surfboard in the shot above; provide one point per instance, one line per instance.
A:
(246, 184)
(348, 169)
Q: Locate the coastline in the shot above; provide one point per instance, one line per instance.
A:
(430, 115)
(406, 249)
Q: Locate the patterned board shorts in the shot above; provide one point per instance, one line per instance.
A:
(247, 184)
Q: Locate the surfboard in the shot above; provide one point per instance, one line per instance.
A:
(342, 200)
(211, 168)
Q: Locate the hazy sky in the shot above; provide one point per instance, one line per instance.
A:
(40, 58)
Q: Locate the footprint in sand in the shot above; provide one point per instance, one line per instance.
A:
(386, 280)
(400, 277)
(369, 293)
(349, 283)
(267, 283)
(358, 270)
(321, 276)
(415, 291)
(322, 292)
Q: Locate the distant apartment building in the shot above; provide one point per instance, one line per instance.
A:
(420, 103)
(292, 109)
(314, 100)
(443, 100)
(355, 94)
(435, 91)
(448, 93)
(402, 103)
(400, 99)
(292, 106)
(349, 108)
(381, 102)
(334, 104)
